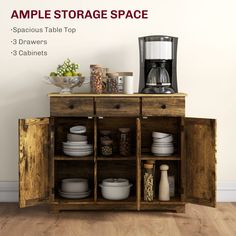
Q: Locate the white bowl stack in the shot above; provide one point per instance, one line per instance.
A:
(77, 143)
(162, 144)
(74, 188)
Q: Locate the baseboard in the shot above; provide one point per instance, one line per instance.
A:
(226, 191)
(8, 191)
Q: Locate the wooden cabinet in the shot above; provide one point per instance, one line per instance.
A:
(42, 164)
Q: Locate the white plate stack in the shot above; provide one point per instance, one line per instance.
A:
(162, 144)
(77, 144)
(74, 188)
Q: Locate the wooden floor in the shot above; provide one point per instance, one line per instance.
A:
(197, 220)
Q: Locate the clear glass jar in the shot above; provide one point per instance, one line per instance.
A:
(124, 145)
(105, 135)
(96, 78)
(106, 147)
(113, 83)
(148, 180)
(104, 79)
(151, 162)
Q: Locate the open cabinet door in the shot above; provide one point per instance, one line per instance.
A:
(34, 144)
(200, 135)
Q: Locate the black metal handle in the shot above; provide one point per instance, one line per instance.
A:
(163, 106)
(117, 106)
(71, 106)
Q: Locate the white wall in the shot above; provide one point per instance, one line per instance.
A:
(206, 63)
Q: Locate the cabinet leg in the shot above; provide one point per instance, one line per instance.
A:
(180, 209)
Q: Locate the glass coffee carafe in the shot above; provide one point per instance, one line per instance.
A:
(158, 80)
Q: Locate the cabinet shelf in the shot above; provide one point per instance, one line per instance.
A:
(67, 158)
(130, 200)
(160, 158)
(62, 200)
(172, 201)
(116, 158)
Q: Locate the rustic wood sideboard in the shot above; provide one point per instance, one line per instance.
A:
(42, 164)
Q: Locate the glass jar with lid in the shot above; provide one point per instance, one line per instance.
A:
(152, 162)
(104, 79)
(96, 78)
(148, 180)
(113, 83)
(124, 145)
(106, 147)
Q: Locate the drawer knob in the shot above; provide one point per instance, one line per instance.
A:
(71, 106)
(117, 106)
(163, 106)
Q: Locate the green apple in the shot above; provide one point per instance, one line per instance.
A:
(53, 74)
(67, 73)
(74, 73)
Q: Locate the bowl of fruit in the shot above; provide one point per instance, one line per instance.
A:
(66, 77)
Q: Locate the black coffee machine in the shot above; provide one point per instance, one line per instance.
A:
(158, 59)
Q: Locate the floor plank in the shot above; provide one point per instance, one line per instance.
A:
(198, 220)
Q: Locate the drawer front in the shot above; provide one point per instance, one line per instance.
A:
(117, 107)
(71, 106)
(163, 106)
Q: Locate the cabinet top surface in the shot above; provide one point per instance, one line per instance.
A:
(116, 95)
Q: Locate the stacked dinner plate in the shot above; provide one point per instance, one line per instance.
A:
(77, 144)
(74, 188)
(162, 144)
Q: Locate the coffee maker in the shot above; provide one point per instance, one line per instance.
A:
(158, 59)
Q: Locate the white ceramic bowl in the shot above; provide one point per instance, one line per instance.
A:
(79, 129)
(162, 145)
(74, 185)
(76, 137)
(166, 139)
(159, 135)
(163, 150)
(76, 144)
(77, 153)
(115, 193)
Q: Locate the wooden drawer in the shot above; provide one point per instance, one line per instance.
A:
(117, 107)
(71, 106)
(163, 106)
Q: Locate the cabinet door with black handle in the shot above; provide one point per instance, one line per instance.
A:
(34, 141)
(200, 161)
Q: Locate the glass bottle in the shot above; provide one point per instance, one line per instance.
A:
(154, 175)
(148, 180)
(124, 136)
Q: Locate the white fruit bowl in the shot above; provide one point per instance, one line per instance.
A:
(66, 83)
